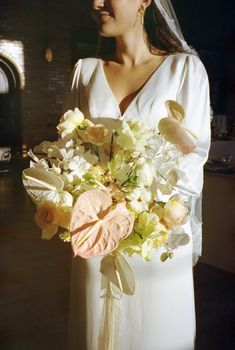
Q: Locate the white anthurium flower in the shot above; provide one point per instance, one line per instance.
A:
(62, 198)
(69, 122)
(42, 185)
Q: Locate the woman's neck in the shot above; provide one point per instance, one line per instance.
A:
(132, 49)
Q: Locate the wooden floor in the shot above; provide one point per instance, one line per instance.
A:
(35, 274)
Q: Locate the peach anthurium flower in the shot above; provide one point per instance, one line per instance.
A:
(49, 217)
(96, 227)
(173, 131)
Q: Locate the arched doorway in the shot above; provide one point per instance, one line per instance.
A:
(10, 116)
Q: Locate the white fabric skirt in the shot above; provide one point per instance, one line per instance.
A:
(160, 316)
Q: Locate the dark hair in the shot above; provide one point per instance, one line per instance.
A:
(160, 39)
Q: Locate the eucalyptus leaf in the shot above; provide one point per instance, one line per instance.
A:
(164, 256)
(177, 240)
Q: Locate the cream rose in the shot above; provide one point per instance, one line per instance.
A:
(175, 212)
(49, 217)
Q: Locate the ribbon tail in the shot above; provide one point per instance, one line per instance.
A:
(109, 331)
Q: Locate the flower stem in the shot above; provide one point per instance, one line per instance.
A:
(111, 147)
(96, 150)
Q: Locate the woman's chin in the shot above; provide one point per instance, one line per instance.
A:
(106, 33)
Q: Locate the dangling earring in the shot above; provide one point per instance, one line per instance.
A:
(142, 11)
(136, 19)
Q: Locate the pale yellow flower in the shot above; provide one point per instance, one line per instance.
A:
(69, 122)
(96, 134)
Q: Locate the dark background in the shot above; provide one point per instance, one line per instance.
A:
(34, 274)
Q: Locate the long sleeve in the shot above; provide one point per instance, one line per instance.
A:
(72, 95)
(193, 95)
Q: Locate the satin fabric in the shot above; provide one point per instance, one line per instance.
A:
(161, 314)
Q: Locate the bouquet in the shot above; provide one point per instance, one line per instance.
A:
(112, 192)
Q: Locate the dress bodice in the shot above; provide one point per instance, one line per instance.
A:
(181, 77)
(95, 98)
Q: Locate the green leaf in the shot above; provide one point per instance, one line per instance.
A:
(164, 256)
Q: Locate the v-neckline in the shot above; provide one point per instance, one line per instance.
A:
(155, 72)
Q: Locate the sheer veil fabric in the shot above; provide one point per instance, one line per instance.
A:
(168, 13)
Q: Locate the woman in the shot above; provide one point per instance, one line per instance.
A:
(149, 63)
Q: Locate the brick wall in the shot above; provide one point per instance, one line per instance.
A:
(42, 96)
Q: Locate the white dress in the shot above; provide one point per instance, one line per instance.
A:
(161, 314)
